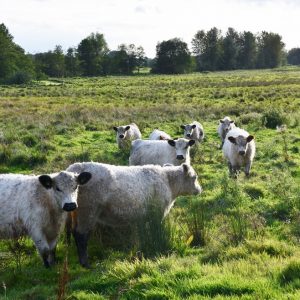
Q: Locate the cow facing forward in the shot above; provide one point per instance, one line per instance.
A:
(239, 150)
(224, 127)
(117, 195)
(147, 152)
(126, 134)
(37, 206)
(193, 131)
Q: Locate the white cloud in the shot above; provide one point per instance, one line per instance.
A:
(39, 25)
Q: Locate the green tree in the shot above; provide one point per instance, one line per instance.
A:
(13, 60)
(231, 48)
(72, 64)
(172, 57)
(248, 50)
(209, 49)
(270, 50)
(293, 56)
(92, 52)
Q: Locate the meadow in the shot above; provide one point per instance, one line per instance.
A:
(238, 240)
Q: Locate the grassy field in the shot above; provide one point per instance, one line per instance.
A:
(238, 240)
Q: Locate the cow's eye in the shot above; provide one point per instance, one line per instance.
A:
(58, 189)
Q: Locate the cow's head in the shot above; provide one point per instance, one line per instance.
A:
(188, 130)
(227, 124)
(181, 147)
(241, 143)
(122, 131)
(190, 181)
(64, 187)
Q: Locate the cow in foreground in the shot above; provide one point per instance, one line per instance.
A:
(37, 206)
(147, 152)
(224, 127)
(239, 150)
(159, 135)
(126, 134)
(117, 195)
(193, 131)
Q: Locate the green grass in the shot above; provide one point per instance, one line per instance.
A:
(238, 240)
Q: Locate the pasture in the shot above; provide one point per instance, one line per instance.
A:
(238, 240)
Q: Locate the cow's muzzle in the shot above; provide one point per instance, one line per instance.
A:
(121, 136)
(69, 206)
(180, 157)
(188, 135)
(242, 153)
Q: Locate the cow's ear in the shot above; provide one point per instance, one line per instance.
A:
(127, 128)
(193, 126)
(191, 142)
(83, 178)
(221, 121)
(46, 181)
(250, 138)
(232, 139)
(115, 128)
(171, 143)
(231, 121)
(182, 126)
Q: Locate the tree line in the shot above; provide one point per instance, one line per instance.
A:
(211, 51)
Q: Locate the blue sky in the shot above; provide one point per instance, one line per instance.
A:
(39, 25)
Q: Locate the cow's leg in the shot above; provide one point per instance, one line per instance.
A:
(42, 245)
(235, 171)
(247, 168)
(52, 253)
(81, 240)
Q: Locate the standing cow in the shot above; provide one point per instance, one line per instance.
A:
(239, 150)
(117, 195)
(127, 133)
(37, 206)
(159, 135)
(193, 131)
(146, 152)
(224, 127)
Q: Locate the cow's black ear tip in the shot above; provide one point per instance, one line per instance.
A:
(46, 181)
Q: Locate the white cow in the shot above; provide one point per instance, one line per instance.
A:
(117, 195)
(224, 127)
(159, 135)
(193, 131)
(239, 150)
(37, 206)
(175, 152)
(126, 134)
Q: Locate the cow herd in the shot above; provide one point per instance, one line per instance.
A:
(90, 193)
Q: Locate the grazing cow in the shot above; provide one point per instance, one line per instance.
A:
(126, 134)
(239, 150)
(147, 152)
(37, 206)
(159, 135)
(225, 125)
(193, 131)
(118, 195)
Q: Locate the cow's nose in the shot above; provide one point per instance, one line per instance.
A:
(121, 136)
(242, 152)
(180, 157)
(188, 135)
(69, 206)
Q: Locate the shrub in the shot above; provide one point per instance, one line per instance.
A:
(20, 77)
(273, 118)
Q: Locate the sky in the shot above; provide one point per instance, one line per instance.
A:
(39, 25)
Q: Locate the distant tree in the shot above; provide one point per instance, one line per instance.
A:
(248, 50)
(208, 49)
(92, 52)
(231, 49)
(13, 60)
(172, 57)
(72, 64)
(140, 58)
(270, 50)
(293, 56)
